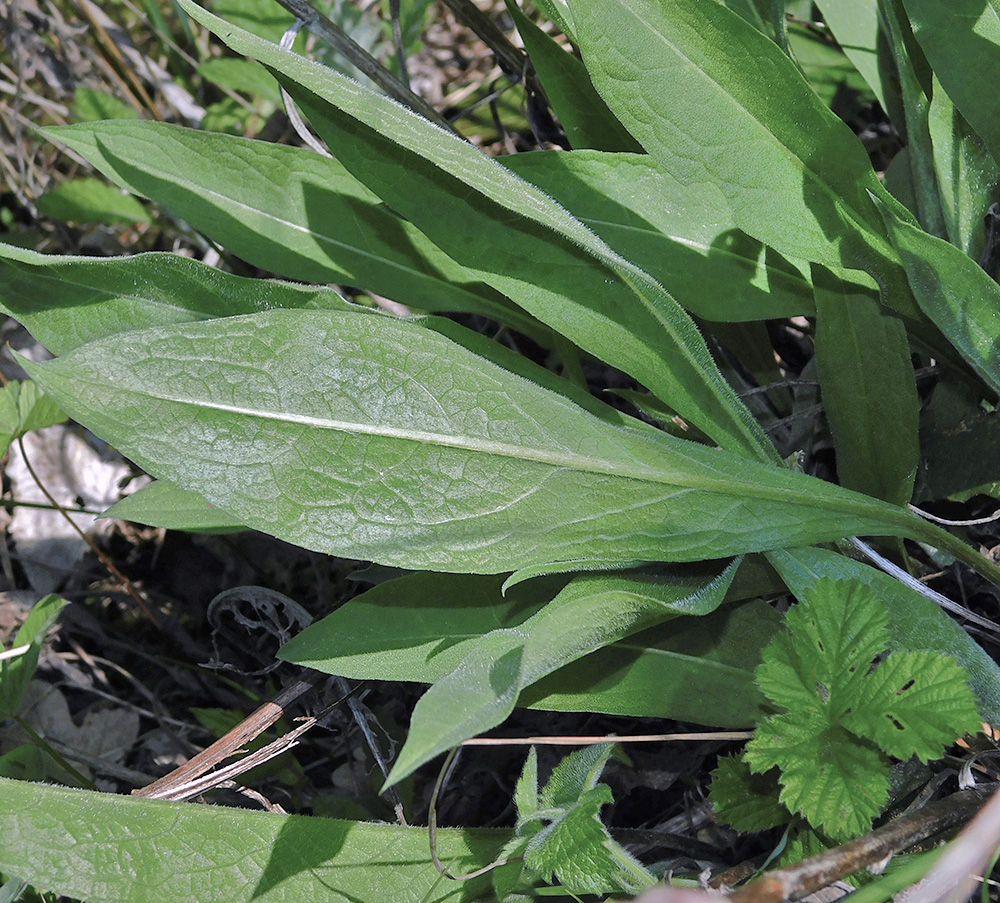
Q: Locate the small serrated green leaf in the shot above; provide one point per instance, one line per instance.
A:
(838, 782)
(834, 636)
(565, 840)
(915, 704)
(576, 775)
(526, 789)
(746, 801)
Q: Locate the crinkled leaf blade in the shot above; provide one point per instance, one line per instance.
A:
(915, 622)
(119, 849)
(915, 704)
(838, 783)
(515, 238)
(370, 437)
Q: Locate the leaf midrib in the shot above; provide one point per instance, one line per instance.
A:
(728, 485)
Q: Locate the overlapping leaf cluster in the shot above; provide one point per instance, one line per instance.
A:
(572, 556)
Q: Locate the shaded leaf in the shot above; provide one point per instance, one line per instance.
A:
(967, 175)
(591, 612)
(161, 504)
(740, 116)
(120, 849)
(91, 201)
(25, 407)
(281, 208)
(582, 112)
(678, 233)
(16, 673)
(954, 292)
(869, 390)
(854, 24)
(962, 42)
(746, 801)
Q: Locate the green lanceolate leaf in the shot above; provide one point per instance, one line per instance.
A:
(284, 209)
(854, 24)
(677, 233)
(420, 628)
(582, 112)
(967, 175)
(68, 301)
(15, 673)
(961, 39)
(416, 628)
(955, 293)
(120, 849)
(694, 668)
(915, 85)
(161, 504)
(593, 611)
(373, 438)
(91, 201)
(516, 239)
(869, 390)
(713, 100)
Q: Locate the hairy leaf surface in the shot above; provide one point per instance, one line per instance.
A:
(106, 848)
(371, 437)
(515, 238)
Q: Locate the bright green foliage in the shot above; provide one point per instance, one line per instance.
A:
(15, 673)
(25, 407)
(846, 709)
(119, 849)
(92, 201)
(559, 831)
(747, 801)
(570, 556)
